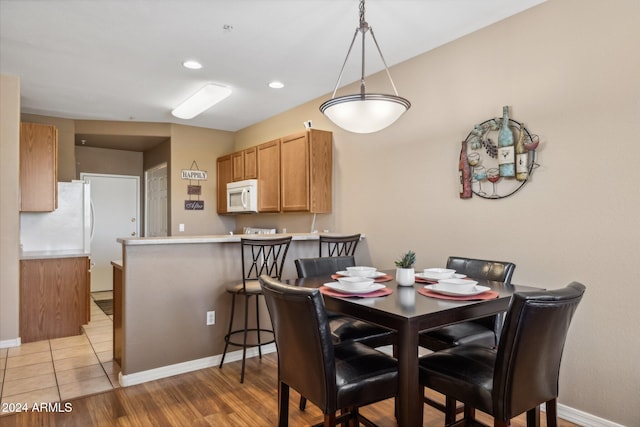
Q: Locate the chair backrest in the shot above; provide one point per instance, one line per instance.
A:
(306, 360)
(263, 256)
(308, 267)
(338, 245)
(497, 271)
(530, 350)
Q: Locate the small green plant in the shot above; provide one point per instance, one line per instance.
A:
(407, 260)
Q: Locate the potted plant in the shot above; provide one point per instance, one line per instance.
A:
(405, 273)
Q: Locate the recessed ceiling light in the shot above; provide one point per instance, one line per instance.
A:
(202, 100)
(192, 65)
(276, 85)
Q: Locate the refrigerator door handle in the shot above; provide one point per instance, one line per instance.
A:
(92, 221)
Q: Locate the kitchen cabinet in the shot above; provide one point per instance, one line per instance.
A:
(224, 175)
(117, 311)
(244, 164)
(269, 176)
(294, 173)
(38, 167)
(306, 168)
(54, 297)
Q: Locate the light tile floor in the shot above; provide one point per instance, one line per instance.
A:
(63, 368)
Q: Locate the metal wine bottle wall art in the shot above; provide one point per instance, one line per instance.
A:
(497, 158)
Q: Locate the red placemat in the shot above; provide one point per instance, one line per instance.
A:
(384, 278)
(379, 293)
(480, 297)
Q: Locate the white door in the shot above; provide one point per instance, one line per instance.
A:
(115, 201)
(156, 208)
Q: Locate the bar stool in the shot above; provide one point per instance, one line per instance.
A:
(338, 245)
(259, 256)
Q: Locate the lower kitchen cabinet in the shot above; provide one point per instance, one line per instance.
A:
(54, 297)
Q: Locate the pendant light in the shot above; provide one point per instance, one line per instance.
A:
(364, 112)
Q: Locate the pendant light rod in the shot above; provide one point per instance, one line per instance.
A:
(363, 28)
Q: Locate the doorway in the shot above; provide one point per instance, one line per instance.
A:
(115, 201)
(156, 201)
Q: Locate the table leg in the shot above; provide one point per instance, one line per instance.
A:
(410, 405)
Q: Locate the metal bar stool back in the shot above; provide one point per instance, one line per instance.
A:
(259, 257)
(338, 245)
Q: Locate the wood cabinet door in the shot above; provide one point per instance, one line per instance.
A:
(320, 170)
(295, 173)
(224, 171)
(38, 167)
(251, 163)
(269, 176)
(53, 297)
(237, 166)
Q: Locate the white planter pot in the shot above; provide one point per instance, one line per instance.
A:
(405, 276)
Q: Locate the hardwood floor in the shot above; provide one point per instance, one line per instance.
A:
(207, 397)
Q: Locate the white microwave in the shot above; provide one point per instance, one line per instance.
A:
(242, 196)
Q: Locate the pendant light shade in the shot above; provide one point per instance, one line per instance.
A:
(364, 112)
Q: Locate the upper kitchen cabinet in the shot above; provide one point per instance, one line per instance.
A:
(306, 172)
(294, 173)
(38, 167)
(244, 164)
(224, 171)
(268, 157)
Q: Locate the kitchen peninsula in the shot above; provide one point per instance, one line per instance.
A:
(168, 286)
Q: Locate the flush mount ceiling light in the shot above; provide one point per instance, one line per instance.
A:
(202, 100)
(364, 112)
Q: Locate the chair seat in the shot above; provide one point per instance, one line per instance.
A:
(252, 287)
(347, 328)
(358, 366)
(465, 372)
(458, 334)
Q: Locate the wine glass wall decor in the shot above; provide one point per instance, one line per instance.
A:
(497, 158)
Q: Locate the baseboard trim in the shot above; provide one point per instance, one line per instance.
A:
(583, 418)
(16, 342)
(191, 365)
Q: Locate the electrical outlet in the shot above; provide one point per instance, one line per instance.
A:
(180, 227)
(211, 317)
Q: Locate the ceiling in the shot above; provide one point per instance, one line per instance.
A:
(122, 60)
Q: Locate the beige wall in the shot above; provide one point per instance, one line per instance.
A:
(115, 162)
(9, 207)
(569, 69)
(204, 146)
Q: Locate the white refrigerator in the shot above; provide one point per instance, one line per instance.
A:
(67, 229)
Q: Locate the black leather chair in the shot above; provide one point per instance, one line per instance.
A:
(343, 328)
(259, 256)
(484, 331)
(335, 378)
(338, 245)
(522, 372)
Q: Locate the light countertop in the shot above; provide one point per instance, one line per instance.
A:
(74, 253)
(214, 238)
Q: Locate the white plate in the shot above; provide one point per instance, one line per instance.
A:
(461, 282)
(340, 288)
(428, 277)
(374, 276)
(475, 291)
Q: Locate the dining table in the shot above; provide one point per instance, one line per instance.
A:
(408, 311)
